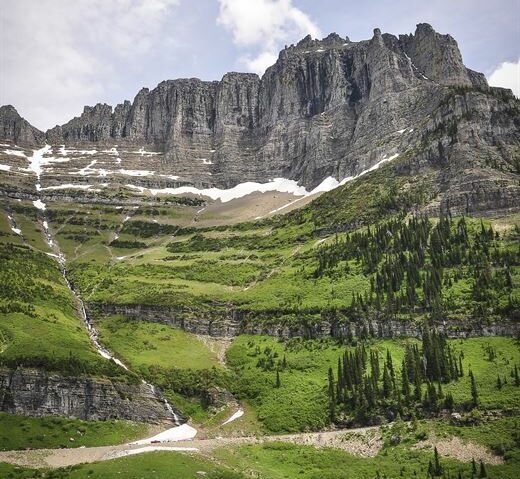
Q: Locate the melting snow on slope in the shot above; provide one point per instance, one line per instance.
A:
(5, 167)
(282, 185)
(236, 415)
(331, 183)
(15, 153)
(67, 186)
(177, 433)
(39, 204)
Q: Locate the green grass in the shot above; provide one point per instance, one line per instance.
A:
(267, 270)
(142, 344)
(20, 432)
(300, 403)
(39, 322)
(157, 465)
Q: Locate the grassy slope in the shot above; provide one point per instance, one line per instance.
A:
(301, 401)
(142, 344)
(19, 432)
(254, 267)
(39, 323)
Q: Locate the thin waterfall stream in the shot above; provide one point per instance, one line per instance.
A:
(36, 162)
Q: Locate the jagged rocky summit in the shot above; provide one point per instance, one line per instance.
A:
(326, 108)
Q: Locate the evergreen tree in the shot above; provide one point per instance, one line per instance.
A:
(483, 472)
(405, 384)
(332, 396)
(278, 382)
(387, 384)
(437, 468)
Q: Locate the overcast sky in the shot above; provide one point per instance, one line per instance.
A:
(58, 55)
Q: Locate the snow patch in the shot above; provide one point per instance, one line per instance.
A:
(205, 161)
(142, 152)
(171, 177)
(236, 415)
(39, 204)
(281, 185)
(5, 167)
(111, 151)
(330, 183)
(136, 172)
(177, 433)
(68, 186)
(21, 154)
(18, 231)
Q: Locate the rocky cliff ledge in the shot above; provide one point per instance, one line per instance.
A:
(34, 392)
(228, 322)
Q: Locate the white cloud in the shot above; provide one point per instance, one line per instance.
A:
(507, 75)
(261, 62)
(58, 55)
(265, 25)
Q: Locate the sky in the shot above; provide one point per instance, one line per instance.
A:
(58, 55)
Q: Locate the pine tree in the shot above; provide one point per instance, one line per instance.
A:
(437, 468)
(483, 472)
(387, 384)
(332, 396)
(405, 384)
(473, 468)
(517, 377)
(278, 382)
(499, 383)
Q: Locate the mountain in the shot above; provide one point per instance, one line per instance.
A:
(18, 130)
(147, 275)
(327, 108)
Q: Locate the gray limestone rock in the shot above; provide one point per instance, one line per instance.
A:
(15, 129)
(35, 392)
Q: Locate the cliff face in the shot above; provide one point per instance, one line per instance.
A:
(38, 393)
(225, 322)
(15, 129)
(326, 108)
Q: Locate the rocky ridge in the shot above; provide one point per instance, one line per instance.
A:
(326, 108)
(225, 322)
(39, 393)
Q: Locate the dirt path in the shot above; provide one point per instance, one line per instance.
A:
(364, 442)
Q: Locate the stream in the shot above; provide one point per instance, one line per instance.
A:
(36, 162)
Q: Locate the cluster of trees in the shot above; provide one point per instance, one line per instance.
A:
(364, 383)
(411, 263)
(128, 244)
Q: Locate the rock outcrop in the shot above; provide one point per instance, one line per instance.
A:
(226, 322)
(15, 129)
(34, 392)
